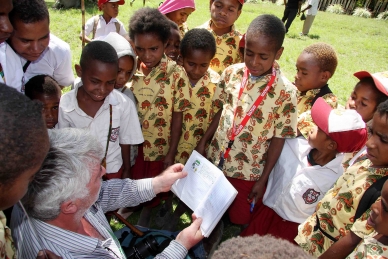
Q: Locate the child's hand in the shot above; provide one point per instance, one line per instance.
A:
(168, 160)
(257, 191)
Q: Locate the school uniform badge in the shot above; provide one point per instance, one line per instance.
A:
(115, 134)
(310, 196)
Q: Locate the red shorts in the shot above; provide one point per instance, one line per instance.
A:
(265, 221)
(117, 175)
(239, 210)
(147, 169)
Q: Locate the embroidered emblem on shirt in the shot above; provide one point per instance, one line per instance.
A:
(115, 134)
(310, 196)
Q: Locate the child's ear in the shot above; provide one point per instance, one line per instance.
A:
(332, 145)
(238, 13)
(325, 76)
(78, 70)
(279, 53)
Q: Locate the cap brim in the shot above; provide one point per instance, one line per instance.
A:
(320, 113)
(363, 74)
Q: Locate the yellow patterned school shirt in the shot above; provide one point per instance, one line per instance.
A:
(227, 48)
(275, 116)
(163, 91)
(7, 249)
(183, 29)
(305, 122)
(369, 248)
(196, 120)
(337, 208)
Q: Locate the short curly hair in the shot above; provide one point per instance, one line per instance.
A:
(23, 134)
(270, 26)
(98, 50)
(29, 11)
(41, 84)
(149, 20)
(198, 39)
(382, 109)
(325, 56)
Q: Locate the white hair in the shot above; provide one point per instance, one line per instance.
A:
(66, 170)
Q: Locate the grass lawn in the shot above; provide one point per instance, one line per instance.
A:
(359, 42)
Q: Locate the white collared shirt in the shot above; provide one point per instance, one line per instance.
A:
(55, 61)
(294, 188)
(103, 28)
(314, 7)
(12, 67)
(125, 123)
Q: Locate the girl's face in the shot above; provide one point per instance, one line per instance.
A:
(172, 47)
(364, 100)
(378, 217)
(125, 71)
(180, 16)
(149, 48)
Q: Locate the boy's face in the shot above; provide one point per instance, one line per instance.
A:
(180, 16)
(172, 47)
(260, 54)
(149, 48)
(125, 70)
(378, 218)
(196, 63)
(50, 107)
(5, 25)
(377, 144)
(308, 74)
(224, 12)
(98, 79)
(317, 138)
(29, 40)
(110, 9)
(363, 100)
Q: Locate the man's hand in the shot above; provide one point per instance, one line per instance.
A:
(164, 181)
(50, 255)
(257, 191)
(191, 235)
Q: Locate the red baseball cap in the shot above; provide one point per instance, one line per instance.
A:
(101, 2)
(380, 79)
(345, 127)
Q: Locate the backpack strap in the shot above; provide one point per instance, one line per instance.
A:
(117, 27)
(324, 90)
(370, 196)
(95, 22)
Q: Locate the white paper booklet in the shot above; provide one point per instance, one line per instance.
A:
(205, 190)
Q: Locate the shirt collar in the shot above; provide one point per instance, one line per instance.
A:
(112, 20)
(232, 32)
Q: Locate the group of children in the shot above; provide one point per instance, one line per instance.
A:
(282, 145)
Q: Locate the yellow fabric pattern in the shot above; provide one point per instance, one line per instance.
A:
(183, 29)
(227, 48)
(276, 116)
(337, 208)
(196, 120)
(7, 249)
(163, 91)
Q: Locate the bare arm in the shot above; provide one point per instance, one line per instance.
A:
(176, 132)
(342, 247)
(87, 39)
(308, 7)
(126, 155)
(273, 153)
(209, 133)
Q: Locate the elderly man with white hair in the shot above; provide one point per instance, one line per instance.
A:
(67, 200)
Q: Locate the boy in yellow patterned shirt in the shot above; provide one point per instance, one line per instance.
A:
(333, 231)
(224, 14)
(162, 94)
(256, 148)
(315, 66)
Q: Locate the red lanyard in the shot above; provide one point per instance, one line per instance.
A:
(237, 130)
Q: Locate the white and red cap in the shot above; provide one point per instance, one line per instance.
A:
(101, 2)
(345, 127)
(380, 79)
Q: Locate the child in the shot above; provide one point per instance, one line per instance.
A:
(255, 147)
(333, 228)
(314, 67)
(375, 245)
(197, 49)
(224, 13)
(48, 92)
(108, 114)
(102, 25)
(41, 53)
(306, 170)
(162, 92)
(178, 11)
(172, 47)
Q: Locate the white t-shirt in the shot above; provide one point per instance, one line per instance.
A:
(314, 7)
(103, 28)
(125, 123)
(295, 188)
(55, 61)
(12, 67)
